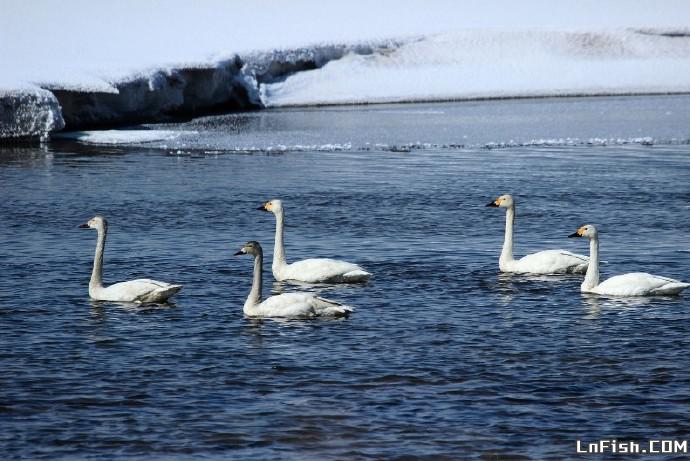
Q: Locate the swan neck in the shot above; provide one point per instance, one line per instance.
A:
(255, 294)
(97, 272)
(592, 275)
(507, 251)
(279, 248)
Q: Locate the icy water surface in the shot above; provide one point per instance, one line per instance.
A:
(444, 358)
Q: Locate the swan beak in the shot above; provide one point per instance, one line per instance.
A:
(575, 234)
(239, 253)
(262, 208)
(83, 226)
(493, 204)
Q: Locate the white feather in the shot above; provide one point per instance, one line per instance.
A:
(297, 305)
(321, 270)
(639, 284)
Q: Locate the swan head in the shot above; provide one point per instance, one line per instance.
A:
(97, 222)
(250, 248)
(504, 201)
(274, 206)
(587, 231)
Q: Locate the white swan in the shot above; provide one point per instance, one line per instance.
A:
(290, 305)
(632, 284)
(313, 270)
(137, 291)
(543, 262)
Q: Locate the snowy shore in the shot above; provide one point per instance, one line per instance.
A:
(464, 64)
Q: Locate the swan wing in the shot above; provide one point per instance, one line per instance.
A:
(139, 290)
(640, 284)
(301, 305)
(319, 270)
(552, 262)
(290, 305)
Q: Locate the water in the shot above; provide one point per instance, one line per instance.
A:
(444, 358)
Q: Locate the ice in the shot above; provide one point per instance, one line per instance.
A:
(122, 137)
(28, 112)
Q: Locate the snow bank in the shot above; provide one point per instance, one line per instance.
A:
(474, 64)
(160, 95)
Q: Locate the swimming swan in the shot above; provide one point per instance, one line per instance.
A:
(543, 262)
(632, 284)
(313, 270)
(290, 305)
(136, 291)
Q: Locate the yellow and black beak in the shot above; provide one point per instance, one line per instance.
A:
(577, 234)
(83, 226)
(493, 204)
(262, 208)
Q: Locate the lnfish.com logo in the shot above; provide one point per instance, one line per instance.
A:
(631, 447)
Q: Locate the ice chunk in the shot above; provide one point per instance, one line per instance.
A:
(114, 137)
(28, 112)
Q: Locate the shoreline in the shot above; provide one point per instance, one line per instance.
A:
(33, 139)
(464, 65)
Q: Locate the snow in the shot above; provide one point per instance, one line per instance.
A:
(91, 44)
(496, 63)
(134, 59)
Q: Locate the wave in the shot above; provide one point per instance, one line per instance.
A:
(183, 149)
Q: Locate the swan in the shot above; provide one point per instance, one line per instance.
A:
(290, 305)
(137, 291)
(632, 284)
(312, 270)
(542, 262)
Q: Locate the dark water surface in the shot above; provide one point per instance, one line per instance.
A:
(443, 359)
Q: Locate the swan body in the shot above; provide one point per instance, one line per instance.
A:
(547, 262)
(315, 270)
(542, 262)
(137, 291)
(286, 305)
(133, 291)
(321, 270)
(297, 305)
(632, 284)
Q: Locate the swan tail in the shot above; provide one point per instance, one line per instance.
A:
(160, 294)
(340, 310)
(672, 288)
(331, 308)
(579, 269)
(356, 276)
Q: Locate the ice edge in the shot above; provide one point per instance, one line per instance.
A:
(163, 94)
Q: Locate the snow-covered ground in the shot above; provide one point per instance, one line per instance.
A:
(113, 62)
(497, 63)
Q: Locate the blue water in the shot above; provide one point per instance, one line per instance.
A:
(444, 358)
